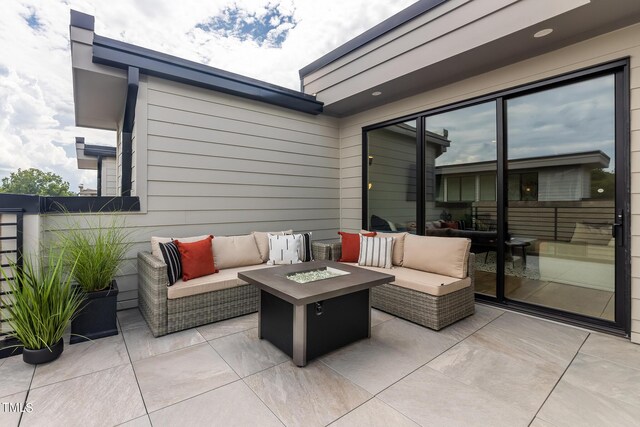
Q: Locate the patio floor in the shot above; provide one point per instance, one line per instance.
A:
(495, 368)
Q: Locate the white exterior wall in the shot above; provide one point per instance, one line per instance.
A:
(611, 46)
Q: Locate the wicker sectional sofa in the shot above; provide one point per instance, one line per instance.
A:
(205, 299)
(429, 299)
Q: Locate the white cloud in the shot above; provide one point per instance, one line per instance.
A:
(36, 98)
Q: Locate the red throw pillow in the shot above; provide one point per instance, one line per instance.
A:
(351, 245)
(196, 258)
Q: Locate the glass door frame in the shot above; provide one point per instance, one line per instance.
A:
(620, 70)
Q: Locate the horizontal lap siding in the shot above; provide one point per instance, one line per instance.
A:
(608, 47)
(240, 165)
(210, 163)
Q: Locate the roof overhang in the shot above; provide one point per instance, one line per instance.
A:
(451, 41)
(594, 159)
(100, 69)
(88, 155)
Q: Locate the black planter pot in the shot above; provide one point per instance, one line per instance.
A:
(97, 316)
(43, 355)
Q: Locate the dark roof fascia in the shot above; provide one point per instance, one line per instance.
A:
(82, 20)
(123, 55)
(400, 18)
(99, 151)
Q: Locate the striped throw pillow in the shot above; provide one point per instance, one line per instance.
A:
(284, 249)
(171, 256)
(305, 254)
(375, 251)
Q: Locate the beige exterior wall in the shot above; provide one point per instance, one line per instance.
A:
(109, 187)
(453, 28)
(210, 163)
(611, 46)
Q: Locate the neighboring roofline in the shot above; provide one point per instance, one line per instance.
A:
(122, 55)
(400, 18)
(596, 156)
(92, 150)
(99, 151)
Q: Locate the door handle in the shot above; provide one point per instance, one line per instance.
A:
(616, 225)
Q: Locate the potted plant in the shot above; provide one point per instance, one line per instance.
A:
(97, 252)
(40, 305)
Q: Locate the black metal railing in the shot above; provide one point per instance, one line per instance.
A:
(11, 252)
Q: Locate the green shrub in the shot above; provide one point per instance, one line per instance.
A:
(42, 301)
(96, 251)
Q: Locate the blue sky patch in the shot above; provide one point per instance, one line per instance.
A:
(32, 20)
(268, 29)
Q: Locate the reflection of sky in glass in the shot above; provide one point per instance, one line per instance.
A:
(570, 119)
(472, 132)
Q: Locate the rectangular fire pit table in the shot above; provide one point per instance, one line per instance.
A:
(307, 320)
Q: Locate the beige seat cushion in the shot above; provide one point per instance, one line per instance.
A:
(397, 256)
(235, 251)
(422, 281)
(224, 279)
(155, 243)
(447, 256)
(262, 240)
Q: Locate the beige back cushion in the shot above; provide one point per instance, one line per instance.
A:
(262, 241)
(235, 251)
(397, 256)
(155, 243)
(441, 255)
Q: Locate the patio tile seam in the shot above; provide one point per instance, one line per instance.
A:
(253, 373)
(258, 397)
(414, 370)
(136, 418)
(78, 376)
(26, 396)
(624, 365)
(228, 335)
(189, 398)
(452, 378)
(350, 411)
(558, 381)
(135, 375)
(482, 389)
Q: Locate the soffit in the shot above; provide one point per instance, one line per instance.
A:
(583, 22)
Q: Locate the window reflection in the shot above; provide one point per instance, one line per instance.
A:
(392, 177)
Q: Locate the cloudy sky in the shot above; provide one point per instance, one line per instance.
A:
(267, 40)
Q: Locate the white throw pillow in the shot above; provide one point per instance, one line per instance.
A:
(262, 240)
(305, 252)
(375, 251)
(284, 249)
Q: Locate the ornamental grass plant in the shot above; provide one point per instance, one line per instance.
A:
(96, 251)
(41, 302)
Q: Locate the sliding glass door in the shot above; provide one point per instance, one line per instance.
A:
(561, 147)
(460, 183)
(536, 177)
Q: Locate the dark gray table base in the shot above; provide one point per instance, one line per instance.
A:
(305, 332)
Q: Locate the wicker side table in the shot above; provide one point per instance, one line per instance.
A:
(326, 250)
